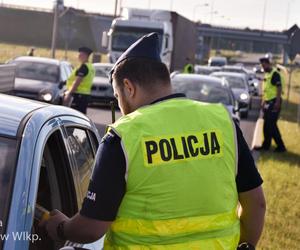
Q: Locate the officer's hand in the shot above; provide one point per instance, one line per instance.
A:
(67, 99)
(277, 106)
(51, 224)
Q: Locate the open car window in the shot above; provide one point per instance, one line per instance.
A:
(84, 157)
(7, 169)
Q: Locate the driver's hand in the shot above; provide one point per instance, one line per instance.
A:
(51, 224)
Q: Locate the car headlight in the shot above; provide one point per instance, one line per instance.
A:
(47, 97)
(243, 96)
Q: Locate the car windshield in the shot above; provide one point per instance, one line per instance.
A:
(7, 165)
(102, 72)
(37, 71)
(234, 82)
(202, 91)
(123, 37)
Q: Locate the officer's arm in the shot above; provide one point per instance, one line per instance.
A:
(76, 83)
(252, 213)
(93, 229)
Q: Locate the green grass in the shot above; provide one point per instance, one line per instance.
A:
(281, 174)
(8, 51)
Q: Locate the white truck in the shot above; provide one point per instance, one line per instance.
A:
(177, 35)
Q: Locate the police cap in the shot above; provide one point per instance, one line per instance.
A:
(146, 47)
(264, 60)
(86, 50)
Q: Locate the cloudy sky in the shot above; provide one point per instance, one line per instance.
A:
(279, 14)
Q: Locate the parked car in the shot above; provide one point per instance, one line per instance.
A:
(102, 91)
(206, 89)
(47, 157)
(217, 61)
(40, 78)
(239, 86)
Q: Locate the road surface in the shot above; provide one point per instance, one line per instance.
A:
(101, 116)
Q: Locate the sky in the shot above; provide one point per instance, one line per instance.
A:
(259, 14)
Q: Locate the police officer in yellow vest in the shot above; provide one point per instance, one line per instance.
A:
(170, 174)
(271, 105)
(80, 82)
(188, 69)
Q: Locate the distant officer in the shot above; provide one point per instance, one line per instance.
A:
(188, 68)
(80, 82)
(170, 173)
(31, 51)
(271, 105)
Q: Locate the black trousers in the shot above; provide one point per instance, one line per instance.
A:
(271, 130)
(80, 102)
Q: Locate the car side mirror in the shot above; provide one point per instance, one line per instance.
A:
(61, 84)
(104, 41)
(242, 105)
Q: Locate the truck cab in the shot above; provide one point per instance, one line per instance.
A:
(135, 23)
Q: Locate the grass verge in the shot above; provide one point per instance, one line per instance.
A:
(281, 174)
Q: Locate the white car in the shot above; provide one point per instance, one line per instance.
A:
(102, 91)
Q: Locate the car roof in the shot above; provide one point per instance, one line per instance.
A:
(37, 59)
(226, 73)
(103, 64)
(15, 110)
(197, 77)
(233, 67)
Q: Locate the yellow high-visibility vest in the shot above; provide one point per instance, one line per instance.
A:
(86, 84)
(270, 90)
(181, 192)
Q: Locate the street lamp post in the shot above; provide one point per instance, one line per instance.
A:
(116, 8)
(54, 31)
(264, 15)
(59, 5)
(288, 14)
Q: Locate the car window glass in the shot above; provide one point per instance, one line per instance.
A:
(63, 73)
(7, 166)
(37, 71)
(201, 90)
(83, 154)
(94, 141)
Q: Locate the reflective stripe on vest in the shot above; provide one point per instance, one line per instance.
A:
(270, 90)
(181, 169)
(86, 84)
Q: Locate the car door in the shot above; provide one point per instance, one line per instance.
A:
(42, 176)
(82, 142)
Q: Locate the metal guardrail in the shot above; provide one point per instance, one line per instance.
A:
(7, 78)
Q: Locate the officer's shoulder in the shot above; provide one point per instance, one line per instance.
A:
(110, 137)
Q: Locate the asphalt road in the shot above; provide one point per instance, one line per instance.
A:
(101, 116)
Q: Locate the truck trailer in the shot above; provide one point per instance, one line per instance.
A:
(177, 35)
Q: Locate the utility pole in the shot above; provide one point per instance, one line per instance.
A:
(54, 31)
(264, 16)
(116, 8)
